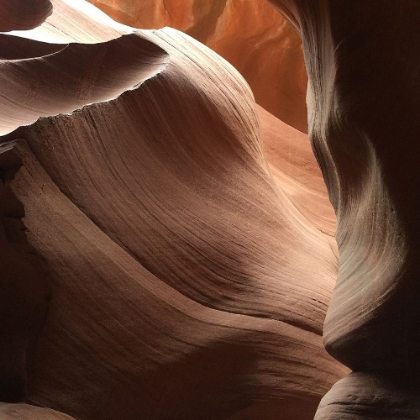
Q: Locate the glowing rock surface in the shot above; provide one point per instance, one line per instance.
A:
(170, 264)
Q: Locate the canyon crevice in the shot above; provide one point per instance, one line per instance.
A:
(169, 247)
(361, 101)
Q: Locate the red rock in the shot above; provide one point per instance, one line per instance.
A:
(24, 288)
(189, 276)
(268, 53)
(23, 14)
(28, 412)
(362, 102)
(370, 395)
(297, 173)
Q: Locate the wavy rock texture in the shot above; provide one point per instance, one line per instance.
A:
(268, 53)
(362, 102)
(297, 173)
(370, 395)
(28, 412)
(23, 14)
(189, 276)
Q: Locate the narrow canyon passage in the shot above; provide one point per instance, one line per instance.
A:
(168, 242)
(362, 61)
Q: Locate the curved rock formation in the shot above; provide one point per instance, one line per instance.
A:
(24, 287)
(23, 14)
(362, 100)
(370, 395)
(297, 173)
(29, 412)
(268, 53)
(186, 282)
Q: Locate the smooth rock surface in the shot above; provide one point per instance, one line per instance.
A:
(189, 279)
(29, 412)
(362, 102)
(368, 395)
(23, 14)
(256, 40)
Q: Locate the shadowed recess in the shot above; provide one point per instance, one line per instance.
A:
(363, 101)
(23, 14)
(24, 288)
(17, 48)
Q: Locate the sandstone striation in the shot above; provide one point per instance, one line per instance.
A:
(256, 40)
(29, 412)
(370, 395)
(23, 14)
(297, 173)
(362, 102)
(188, 278)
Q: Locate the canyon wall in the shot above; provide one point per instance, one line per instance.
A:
(180, 234)
(256, 40)
(363, 100)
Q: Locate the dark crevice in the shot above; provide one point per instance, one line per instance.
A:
(17, 48)
(25, 292)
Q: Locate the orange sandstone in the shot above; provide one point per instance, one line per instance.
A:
(251, 35)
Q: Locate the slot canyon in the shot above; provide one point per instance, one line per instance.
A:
(209, 209)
